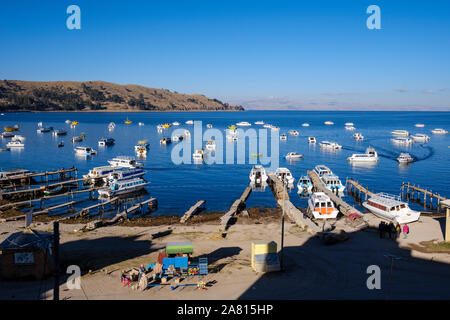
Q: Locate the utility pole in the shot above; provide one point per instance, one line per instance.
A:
(56, 260)
(282, 225)
(391, 258)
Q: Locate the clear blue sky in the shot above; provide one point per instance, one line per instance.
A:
(259, 53)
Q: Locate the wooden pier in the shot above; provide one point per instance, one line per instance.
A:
(27, 179)
(281, 195)
(235, 208)
(343, 207)
(414, 192)
(354, 188)
(140, 206)
(192, 210)
(69, 205)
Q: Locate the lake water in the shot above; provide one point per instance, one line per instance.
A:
(177, 187)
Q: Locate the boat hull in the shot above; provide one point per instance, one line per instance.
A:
(408, 217)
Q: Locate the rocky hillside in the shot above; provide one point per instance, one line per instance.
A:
(99, 95)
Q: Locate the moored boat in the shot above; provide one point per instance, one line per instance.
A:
(312, 140)
(294, 156)
(118, 187)
(243, 124)
(332, 183)
(304, 185)
(439, 131)
(403, 141)
(293, 132)
(391, 208)
(400, 133)
(211, 145)
(330, 145)
(198, 155)
(165, 141)
(258, 174)
(358, 136)
(106, 142)
(15, 144)
(321, 206)
(284, 174)
(329, 123)
(420, 137)
(85, 151)
(125, 162)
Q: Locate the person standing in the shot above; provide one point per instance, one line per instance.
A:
(405, 231)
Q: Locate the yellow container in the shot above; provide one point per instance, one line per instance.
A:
(262, 247)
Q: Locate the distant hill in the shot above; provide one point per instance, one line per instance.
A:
(16, 95)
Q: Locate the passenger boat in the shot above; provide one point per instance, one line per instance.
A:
(439, 131)
(211, 145)
(177, 137)
(11, 129)
(293, 132)
(165, 141)
(405, 158)
(122, 187)
(123, 174)
(258, 174)
(15, 144)
(111, 126)
(243, 124)
(330, 145)
(400, 133)
(198, 154)
(403, 141)
(304, 185)
(7, 135)
(260, 122)
(358, 136)
(329, 123)
(77, 139)
(349, 124)
(128, 121)
(14, 173)
(283, 137)
(106, 142)
(59, 132)
(420, 137)
(350, 128)
(321, 206)
(43, 130)
(85, 151)
(321, 170)
(190, 122)
(305, 124)
(332, 183)
(311, 140)
(99, 172)
(175, 123)
(209, 125)
(285, 175)
(293, 156)
(125, 162)
(419, 125)
(369, 156)
(391, 208)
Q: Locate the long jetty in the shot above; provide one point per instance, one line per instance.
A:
(354, 187)
(281, 195)
(235, 208)
(413, 192)
(343, 207)
(140, 206)
(48, 175)
(192, 210)
(44, 211)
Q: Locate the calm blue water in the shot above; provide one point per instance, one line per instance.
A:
(177, 187)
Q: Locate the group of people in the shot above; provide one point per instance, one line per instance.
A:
(394, 230)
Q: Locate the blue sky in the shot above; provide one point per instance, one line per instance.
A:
(262, 54)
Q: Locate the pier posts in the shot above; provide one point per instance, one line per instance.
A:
(56, 260)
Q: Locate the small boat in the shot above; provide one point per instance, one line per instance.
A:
(142, 144)
(349, 124)
(103, 142)
(405, 158)
(243, 124)
(439, 131)
(304, 185)
(59, 132)
(258, 174)
(275, 128)
(419, 125)
(321, 206)
(77, 139)
(232, 127)
(329, 123)
(358, 136)
(75, 123)
(190, 122)
(187, 133)
(294, 156)
(321, 170)
(4, 149)
(40, 124)
(268, 126)
(259, 122)
(8, 135)
(54, 191)
(198, 155)
(402, 141)
(165, 141)
(293, 132)
(85, 151)
(111, 126)
(43, 130)
(285, 175)
(209, 125)
(177, 137)
(15, 144)
(332, 183)
(330, 145)
(68, 121)
(122, 187)
(232, 137)
(60, 144)
(391, 208)
(211, 145)
(125, 162)
(283, 137)
(420, 137)
(311, 140)
(140, 150)
(400, 133)
(120, 174)
(18, 137)
(166, 125)
(73, 126)
(350, 128)
(305, 124)
(175, 123)
(128, 121)
(140, 123)
(11, 129)
(369, 156)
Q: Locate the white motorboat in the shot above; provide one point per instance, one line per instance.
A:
(321, 206)
(98, 172)
(209, 126)
(175, 123)
(350, 128)
(18, 137)
(358, 136)
(419, 125)
(243, 124)
(103, 142)
(283, 137)
(369, 156)
(140, 150)
(123, 174)
(400, 133)
(258, 175)
(420, 137)
(111, 126)
(177, 137)
(187, 133)
(332, 183)
(140, 123)
(275, 128)
(403, 141)
(293, 156)
(293, 133)
(85, 151)
(305, 124)
(232, 137)
(40, 124)
(330, 145)
(304, 185)
(125, 162)
(268, 126)
(329, 123)
(165, 141)
(198, 155)
(405, 158)
(211, 145)
(349, 124)
(59, 132)
(391, 208)
(285, 175)
(439, 131)
(190, 122)
(67, 121)
(43, 130)
(8, 135)
(122, 186)
(259, 122)
(142, 144)
(321, 170)
(77, 139)
(15, 144)
(312, 140)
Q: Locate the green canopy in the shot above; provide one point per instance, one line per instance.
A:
(179, 247)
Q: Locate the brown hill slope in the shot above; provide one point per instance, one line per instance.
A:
(16, 95)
